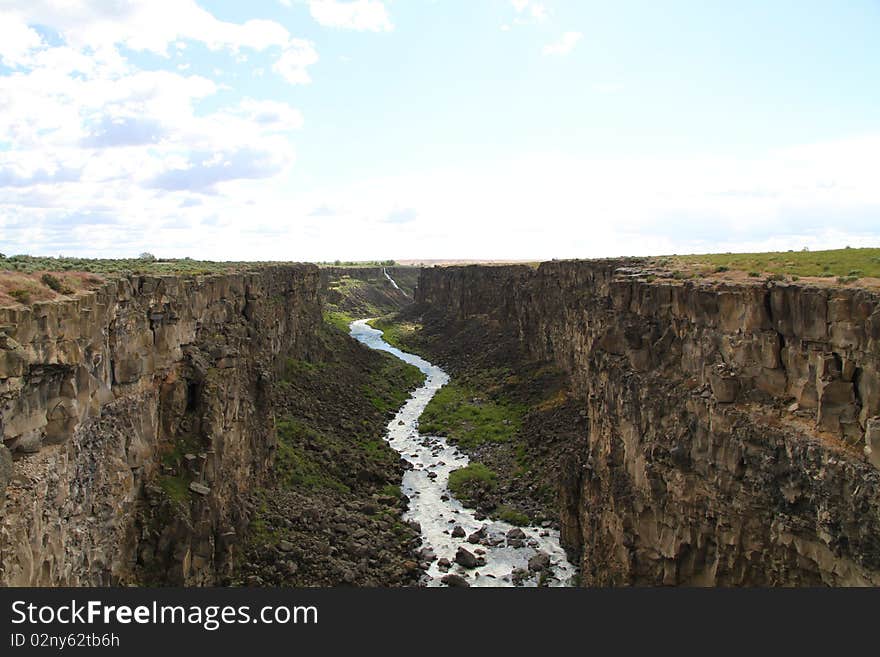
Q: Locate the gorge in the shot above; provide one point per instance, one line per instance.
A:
(699, 432)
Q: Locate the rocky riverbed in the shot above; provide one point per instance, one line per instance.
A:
(460, 546)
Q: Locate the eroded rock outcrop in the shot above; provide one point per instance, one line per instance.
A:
(733, 427)
(97, 391)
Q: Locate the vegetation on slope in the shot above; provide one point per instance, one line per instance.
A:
(331, 513)
(514, 418)
(359, 293)
(397, 332)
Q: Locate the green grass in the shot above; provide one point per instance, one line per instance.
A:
(834, 263)
(357, 263)
(339, 319)
(396, 333)
(176, 487)
(464, 480)
(293, 464)
(469, 418)
(295, 367)
(124, 266)
(389, 387)
(345, 284)
(512, 516)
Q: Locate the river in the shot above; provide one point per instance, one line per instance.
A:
(505, 561)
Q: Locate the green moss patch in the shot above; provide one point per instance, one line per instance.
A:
(468, 417)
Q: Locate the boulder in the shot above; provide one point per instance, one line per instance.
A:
(453, 580)
(466, 558)
(199, 489)
(539, 562)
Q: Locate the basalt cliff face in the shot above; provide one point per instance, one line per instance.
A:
(96, 392)
(734, 428)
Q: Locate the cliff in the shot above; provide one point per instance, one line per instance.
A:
(134, 416)
(733, 432)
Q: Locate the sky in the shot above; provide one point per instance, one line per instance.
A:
(420, 129)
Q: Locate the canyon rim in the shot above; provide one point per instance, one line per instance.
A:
(709, 430)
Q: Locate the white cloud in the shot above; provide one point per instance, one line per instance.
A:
(270, 114)
(565, 45)
(147, 24)
(363, 15)
(86, 137)
(17, 40)
(295, 60)
(537, 10)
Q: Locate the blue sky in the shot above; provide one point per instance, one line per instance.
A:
(323, 129)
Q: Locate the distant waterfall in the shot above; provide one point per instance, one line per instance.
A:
(393, 282)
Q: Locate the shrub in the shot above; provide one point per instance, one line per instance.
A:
(22, 296)
(474, 474)
(512, 516)
(754, 274)
(55, 284)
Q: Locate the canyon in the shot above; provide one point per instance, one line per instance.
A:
(728, 432)
(732, 433)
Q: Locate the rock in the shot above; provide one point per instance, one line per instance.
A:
(724, 383)
(518, 575)
(199, 489)
(872, 441)
(5, 468)
(478, 535)
(458, 532)
(427, 554)
(466, 558)
(444, 564)
(453, 580)
(415, 526)
(285, 546)
(516, 533)
(539, 562)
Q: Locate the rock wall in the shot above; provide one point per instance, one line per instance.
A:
(734, 428)
(103, 395)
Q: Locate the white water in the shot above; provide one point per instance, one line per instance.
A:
(437, 516)
(393, 282)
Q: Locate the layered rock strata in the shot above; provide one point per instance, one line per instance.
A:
(103, 395)
(734, 428)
